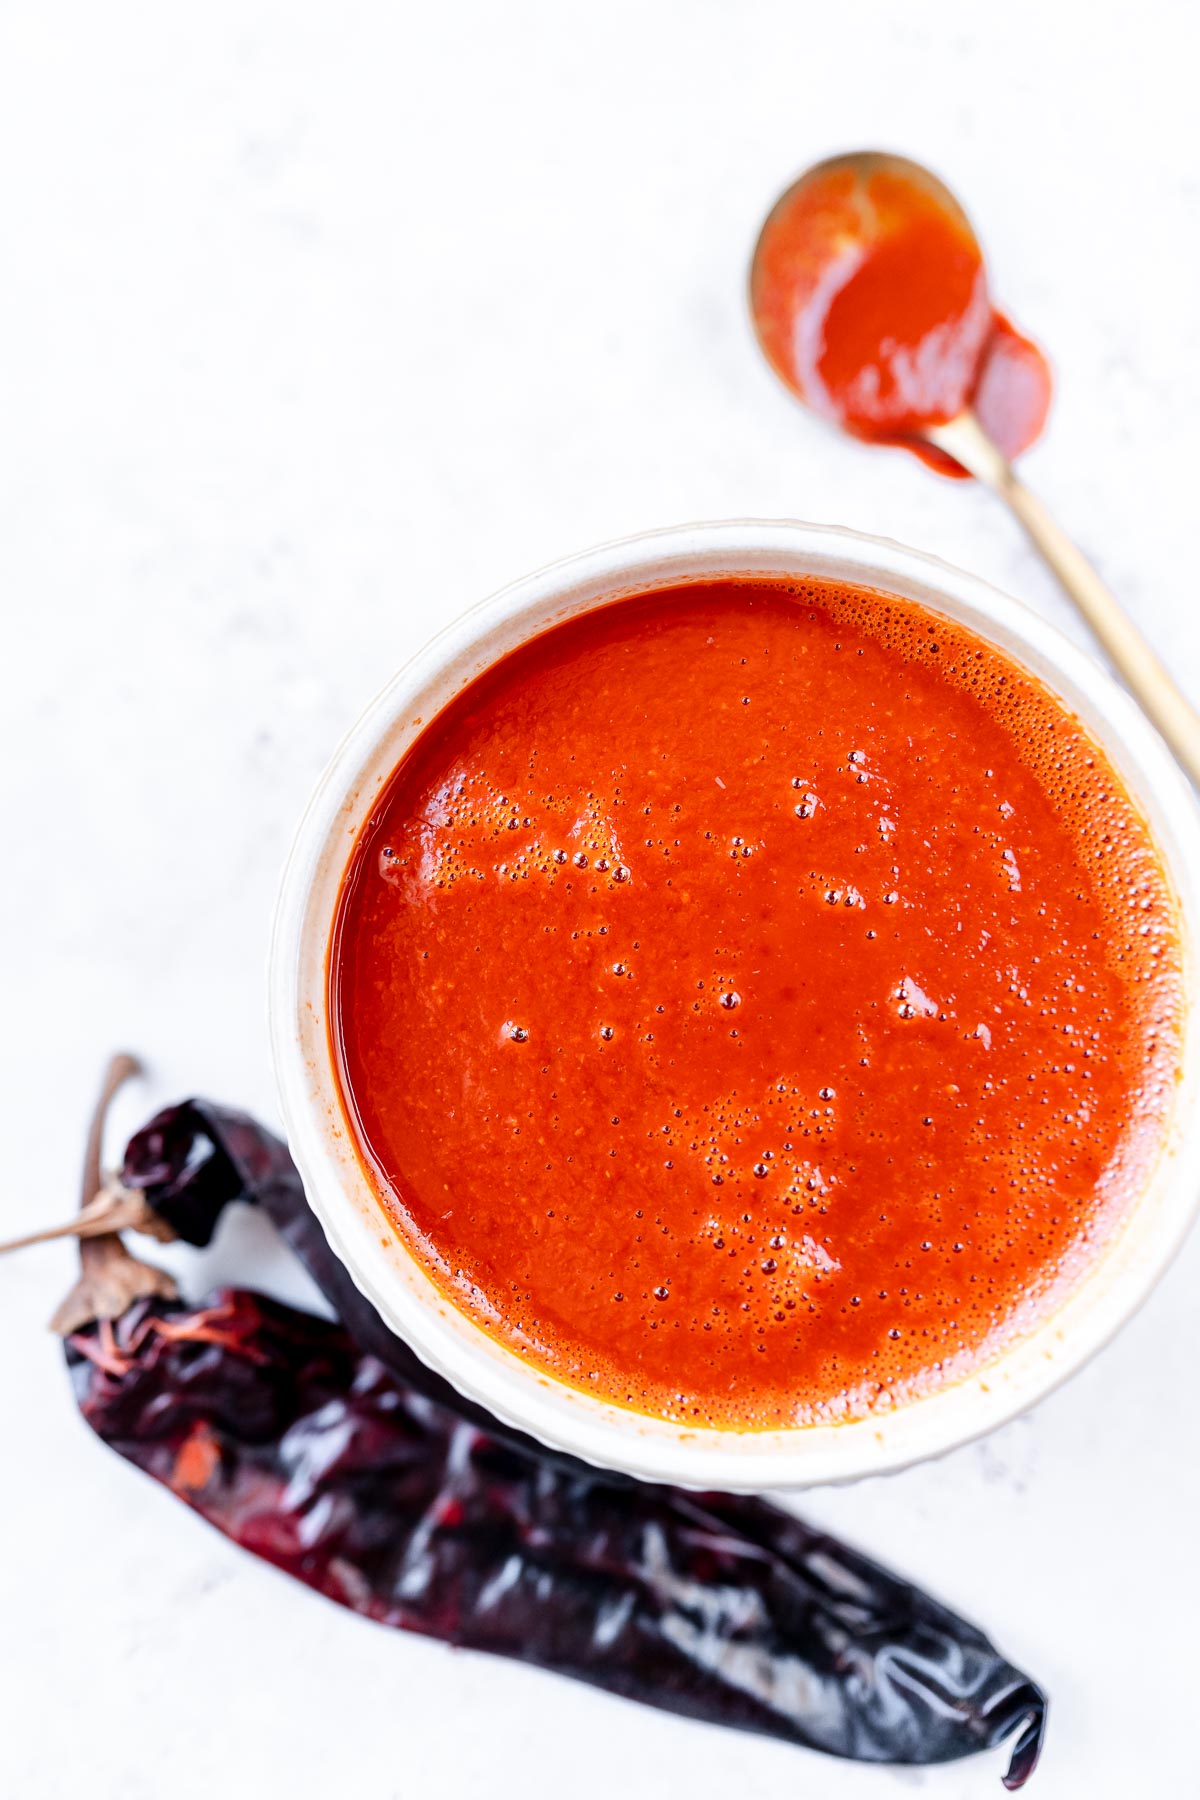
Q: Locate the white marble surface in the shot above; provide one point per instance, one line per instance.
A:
(318, 322)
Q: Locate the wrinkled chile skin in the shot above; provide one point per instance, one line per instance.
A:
(337, 1456)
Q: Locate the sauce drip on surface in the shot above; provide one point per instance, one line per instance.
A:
(871, 302)
(756, 1004)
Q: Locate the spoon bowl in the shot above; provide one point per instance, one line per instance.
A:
(869, 296)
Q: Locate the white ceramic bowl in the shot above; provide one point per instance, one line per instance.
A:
(321, 1141)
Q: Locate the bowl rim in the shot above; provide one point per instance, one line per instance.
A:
(321, 1140)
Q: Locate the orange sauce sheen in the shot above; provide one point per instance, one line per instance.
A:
(871, 301)
(756, 1003)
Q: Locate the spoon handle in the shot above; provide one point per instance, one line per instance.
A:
(1126, 648)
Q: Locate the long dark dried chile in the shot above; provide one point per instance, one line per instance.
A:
(278, 1429)
(420, 1509)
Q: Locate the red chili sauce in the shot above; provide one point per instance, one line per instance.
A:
(756, 1004)
(870, 298)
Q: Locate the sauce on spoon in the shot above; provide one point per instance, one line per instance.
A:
(870, 298)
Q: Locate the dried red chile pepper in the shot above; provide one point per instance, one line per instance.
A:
(308, 1443)
(275, 1427)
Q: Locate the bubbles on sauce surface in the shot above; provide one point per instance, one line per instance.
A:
(861, 1104)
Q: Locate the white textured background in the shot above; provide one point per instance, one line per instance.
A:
(317, 323)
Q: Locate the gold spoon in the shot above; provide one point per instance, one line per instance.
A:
(964, 438)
